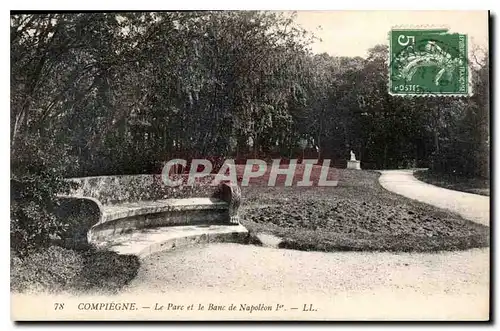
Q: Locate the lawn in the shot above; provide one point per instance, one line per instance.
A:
(356, 215)
(57, 269)
(457, 183)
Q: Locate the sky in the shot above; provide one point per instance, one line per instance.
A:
(352, 33)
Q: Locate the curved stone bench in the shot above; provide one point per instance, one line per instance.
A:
(139, 220)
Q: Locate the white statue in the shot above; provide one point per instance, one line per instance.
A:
(353, 156)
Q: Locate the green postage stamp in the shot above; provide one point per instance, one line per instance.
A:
(430, 62)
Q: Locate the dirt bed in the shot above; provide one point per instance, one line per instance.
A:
(356, 215)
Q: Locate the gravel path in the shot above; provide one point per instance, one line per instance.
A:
(470, 206)
(341, 285)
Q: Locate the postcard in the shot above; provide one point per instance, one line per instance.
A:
(250, 166)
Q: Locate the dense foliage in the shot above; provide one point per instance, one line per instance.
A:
(106, 93)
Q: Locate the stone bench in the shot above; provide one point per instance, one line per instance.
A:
(139, 215)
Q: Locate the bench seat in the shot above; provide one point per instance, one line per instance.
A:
(149, 241)
(128, 209)
(123, 218)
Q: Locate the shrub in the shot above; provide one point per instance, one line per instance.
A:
(36, 179)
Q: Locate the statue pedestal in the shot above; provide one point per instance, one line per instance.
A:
(354, 165)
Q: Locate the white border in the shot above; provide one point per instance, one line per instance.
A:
(5, 323)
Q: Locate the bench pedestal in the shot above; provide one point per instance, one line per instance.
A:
(354, 165)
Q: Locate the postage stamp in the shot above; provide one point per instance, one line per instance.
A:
(428, 62)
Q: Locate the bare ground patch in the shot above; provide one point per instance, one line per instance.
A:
(356, 215)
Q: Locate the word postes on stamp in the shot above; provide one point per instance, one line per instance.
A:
(428, 62)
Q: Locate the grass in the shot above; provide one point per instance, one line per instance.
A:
(56, 269)
(357, 215)
(457, 183)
